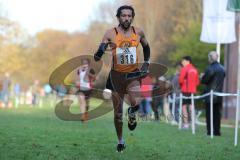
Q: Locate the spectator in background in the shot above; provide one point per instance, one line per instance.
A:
(5, 91)
(35, 92)
(146, 93)
(29, 97)
(17, 92)
(165, 104)
(61, 91)
(47, 89)
(48, 94)
(176, 90)
(213, 78)
(188, 80)
(157, 101)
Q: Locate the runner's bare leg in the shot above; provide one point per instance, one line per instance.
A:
(118, 113)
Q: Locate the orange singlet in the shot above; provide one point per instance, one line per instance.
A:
(125, 56)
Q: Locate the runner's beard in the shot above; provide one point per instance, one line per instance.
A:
(125, 25)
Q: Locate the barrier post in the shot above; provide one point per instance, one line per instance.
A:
(193, 114)
(180, 113)
(173, 106)
(237, 119)
(211, 112)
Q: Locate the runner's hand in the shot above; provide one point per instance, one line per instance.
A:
(145, 67)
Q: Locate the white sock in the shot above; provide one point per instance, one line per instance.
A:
(121, 141)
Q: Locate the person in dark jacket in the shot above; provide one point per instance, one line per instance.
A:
(213, 78)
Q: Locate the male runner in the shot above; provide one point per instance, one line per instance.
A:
(85, 78)
(124, 77)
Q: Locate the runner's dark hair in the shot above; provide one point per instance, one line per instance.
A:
(119, 10)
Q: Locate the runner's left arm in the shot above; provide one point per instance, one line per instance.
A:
(146, 50)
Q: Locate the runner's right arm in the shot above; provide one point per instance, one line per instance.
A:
(103, 46)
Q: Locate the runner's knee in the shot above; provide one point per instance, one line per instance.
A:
(118, 117)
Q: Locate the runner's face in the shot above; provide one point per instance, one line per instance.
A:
(85, 64)
(125, 18)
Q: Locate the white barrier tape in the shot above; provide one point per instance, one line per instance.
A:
(204, 95)
(184, 97)
(197, 97)
(223, 94)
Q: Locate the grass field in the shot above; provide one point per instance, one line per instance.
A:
(37, 134)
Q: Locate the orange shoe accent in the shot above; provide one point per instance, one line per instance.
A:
(84, 116)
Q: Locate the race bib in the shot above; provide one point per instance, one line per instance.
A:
(126, 55)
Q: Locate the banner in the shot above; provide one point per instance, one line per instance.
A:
(218, 24)
(233, 5)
